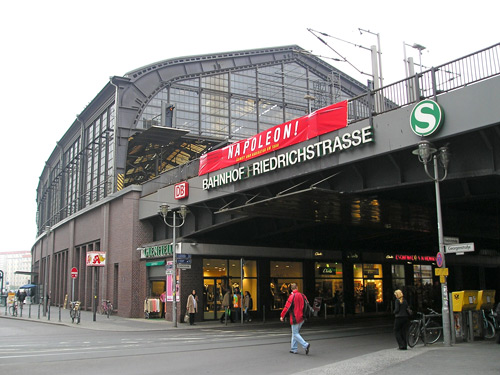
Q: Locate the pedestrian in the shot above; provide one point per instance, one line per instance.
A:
(226, 305)
(163, 300)
(401, 319)
(247, 305)
(295, 308)
(191, 306)
(237, 304)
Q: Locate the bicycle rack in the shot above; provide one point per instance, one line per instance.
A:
(425, 329)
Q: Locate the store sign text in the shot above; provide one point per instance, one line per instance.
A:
(322, 121)
(412, 258)
(156, 251)
(327, 271)
(300, 155)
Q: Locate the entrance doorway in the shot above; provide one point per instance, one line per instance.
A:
(213, 294)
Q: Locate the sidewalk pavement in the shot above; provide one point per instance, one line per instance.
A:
(100, 322)
(477, 357)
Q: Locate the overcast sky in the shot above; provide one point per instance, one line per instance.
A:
(57, 55)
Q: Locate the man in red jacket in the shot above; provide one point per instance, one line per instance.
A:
(295, 307)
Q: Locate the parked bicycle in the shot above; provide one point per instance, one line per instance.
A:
(13, 308)
(490, 324)
(106, 307)
(74, 311)
(433, 330)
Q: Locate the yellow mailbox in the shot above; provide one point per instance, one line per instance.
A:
(486, 299)
(464, 300)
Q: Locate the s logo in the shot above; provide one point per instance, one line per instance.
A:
(426, 118)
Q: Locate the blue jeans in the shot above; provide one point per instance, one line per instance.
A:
(297, 338)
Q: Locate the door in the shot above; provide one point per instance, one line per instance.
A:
(213, 294)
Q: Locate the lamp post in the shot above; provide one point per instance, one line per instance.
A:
(309, 97)
(45, 272)
(426, 152)
(182, 211)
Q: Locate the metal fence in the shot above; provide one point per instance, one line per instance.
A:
(459, 73)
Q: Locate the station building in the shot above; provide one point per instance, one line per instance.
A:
(273, 188)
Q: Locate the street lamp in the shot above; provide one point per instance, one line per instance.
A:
(309, 97)
(182, 211)
(426, 152)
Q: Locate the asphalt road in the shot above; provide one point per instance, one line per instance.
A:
(28, 347)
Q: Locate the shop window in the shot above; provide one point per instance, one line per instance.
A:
(282, 275)
(329, 285)
(368, 291)
(398, 276)
(424, 292)
(223, 274)
(214, 267)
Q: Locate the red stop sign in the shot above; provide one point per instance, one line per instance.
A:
(74, 273)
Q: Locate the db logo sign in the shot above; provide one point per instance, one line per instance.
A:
(181, 190)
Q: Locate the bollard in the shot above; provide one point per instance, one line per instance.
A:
(29, 311)
(38, 311)
(326, 312)
(48, 312)
(59, 313)
(21, 310)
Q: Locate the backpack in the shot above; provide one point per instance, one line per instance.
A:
(308, 310)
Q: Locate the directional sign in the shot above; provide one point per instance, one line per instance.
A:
(184, 266)
(459, 248)
(183, 259)
(447, 240)
(74, 273)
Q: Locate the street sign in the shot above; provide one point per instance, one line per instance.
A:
(183, 259)
(447, 240)
(441, 272)
(439, 260)
(184, 266)
(74, 273)
(459, 248)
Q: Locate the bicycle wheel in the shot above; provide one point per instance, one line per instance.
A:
(413, 333)
(433, 332)
(489, 329)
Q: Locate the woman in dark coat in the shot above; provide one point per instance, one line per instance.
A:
(401, 319)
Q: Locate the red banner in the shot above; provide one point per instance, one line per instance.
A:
(322, 121)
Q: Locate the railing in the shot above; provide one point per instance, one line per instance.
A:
(459, 73)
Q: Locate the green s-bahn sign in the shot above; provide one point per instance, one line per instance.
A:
(426, 118)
